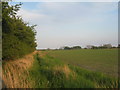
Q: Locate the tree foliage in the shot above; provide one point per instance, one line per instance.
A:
(74, 47)
(18, 38)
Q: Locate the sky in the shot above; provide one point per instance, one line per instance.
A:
(65, 0)
(72, 23)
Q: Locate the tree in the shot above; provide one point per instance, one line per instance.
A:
(89, 46)
(95, 47)
(118, 45)
(18, 38)
(107, 46)
(67, 48)
(76, 47)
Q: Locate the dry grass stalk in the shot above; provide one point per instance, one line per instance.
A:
(14, 73)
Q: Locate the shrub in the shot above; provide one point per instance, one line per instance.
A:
(18, 38)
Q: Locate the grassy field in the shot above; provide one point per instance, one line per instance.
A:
(50, 69)
(49, 72)
(101, 60)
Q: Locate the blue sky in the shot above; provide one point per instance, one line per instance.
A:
(72, 23)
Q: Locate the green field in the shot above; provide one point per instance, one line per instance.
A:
(101, 60)
(51, 69)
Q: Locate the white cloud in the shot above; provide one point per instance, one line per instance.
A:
(59, 18)
(31, 16)
(65, 12)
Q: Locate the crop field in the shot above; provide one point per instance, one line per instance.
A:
(52, 72)
(100, 60)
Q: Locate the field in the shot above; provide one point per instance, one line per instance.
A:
(23, 66)
(51, 69)
(63, 69)
(101, 60)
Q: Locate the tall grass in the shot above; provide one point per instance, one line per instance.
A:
(48, 72)
(15, 72)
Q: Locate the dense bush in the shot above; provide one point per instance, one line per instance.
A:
(18, 38)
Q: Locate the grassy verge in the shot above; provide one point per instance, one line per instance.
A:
(15, 72)
(49, 72)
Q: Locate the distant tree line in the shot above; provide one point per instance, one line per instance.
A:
(104, 46)
(69, 48)
(18, 37)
